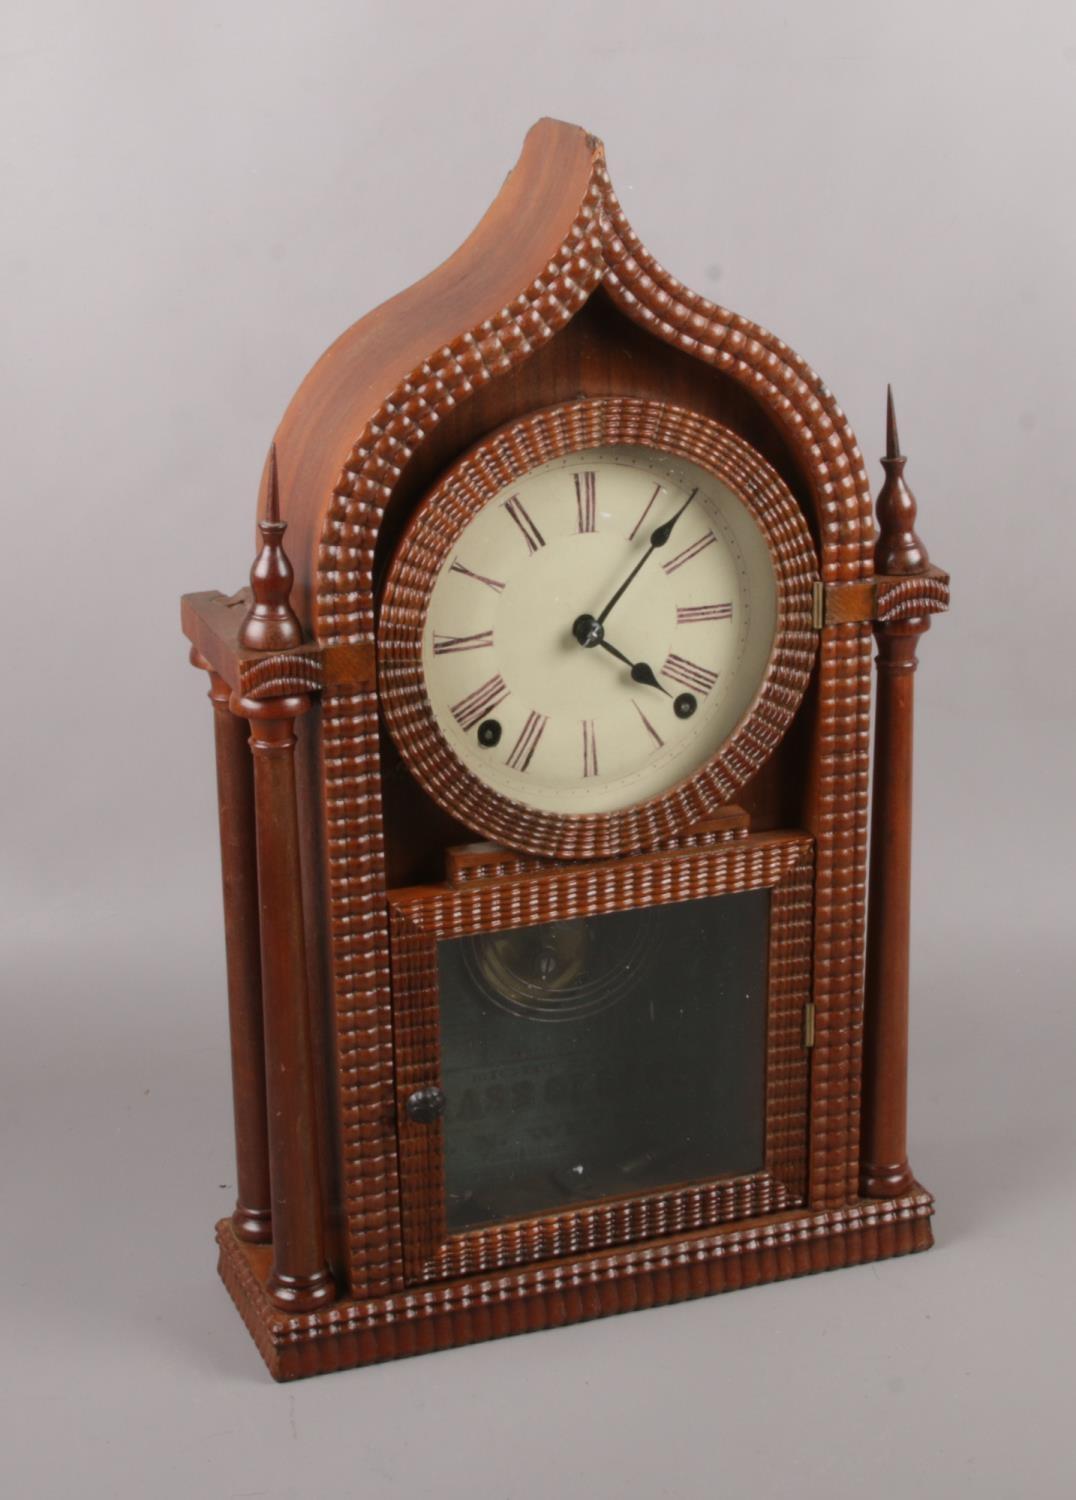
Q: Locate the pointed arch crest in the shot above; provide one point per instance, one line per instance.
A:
(343, 443)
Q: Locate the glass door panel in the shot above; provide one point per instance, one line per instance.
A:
(602, 1055)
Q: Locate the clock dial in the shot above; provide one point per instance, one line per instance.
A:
(598, 629)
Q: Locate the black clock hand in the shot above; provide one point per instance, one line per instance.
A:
(658, 538)
(640, 672)
(590, 632)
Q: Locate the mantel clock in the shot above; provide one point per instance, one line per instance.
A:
(543, 757)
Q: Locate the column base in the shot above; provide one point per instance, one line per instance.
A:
(886, 1181)
(254, 1225)
(300, 1294)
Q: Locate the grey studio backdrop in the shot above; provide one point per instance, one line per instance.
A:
(198, 199)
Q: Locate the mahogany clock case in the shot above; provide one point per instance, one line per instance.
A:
(343, 875)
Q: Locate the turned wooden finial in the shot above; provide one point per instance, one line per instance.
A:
(898, 549)
(270, 623)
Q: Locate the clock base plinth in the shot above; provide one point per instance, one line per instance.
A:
(527, 1298)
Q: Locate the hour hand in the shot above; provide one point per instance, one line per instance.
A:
(590, 632)
(640, 672)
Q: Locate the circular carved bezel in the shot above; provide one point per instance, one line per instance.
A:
(434, 530)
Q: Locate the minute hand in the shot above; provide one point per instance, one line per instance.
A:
(658, 538)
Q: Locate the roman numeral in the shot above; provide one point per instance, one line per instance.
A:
(524, 748)
(586, 501)
(590, 749)
(649, 727)
(679, 669)
(531, 535)
(491, 583)
(443, 644)
(478, 704)
(689, 552)
(694, 614)
(646, 512)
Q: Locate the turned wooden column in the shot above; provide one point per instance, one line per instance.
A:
(884, 1164)
(300, 1279)
(908, 590)
(251, 1217)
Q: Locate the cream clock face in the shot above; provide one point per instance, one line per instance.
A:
(599, 629)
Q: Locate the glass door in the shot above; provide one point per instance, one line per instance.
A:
(597, 1053)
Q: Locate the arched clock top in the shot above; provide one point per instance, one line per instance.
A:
(552, 237)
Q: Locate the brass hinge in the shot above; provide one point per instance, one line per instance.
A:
(808, 1024)
(841, 603)
(881, 598)
(818, 604)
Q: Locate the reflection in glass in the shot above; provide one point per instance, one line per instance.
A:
(602, 1056)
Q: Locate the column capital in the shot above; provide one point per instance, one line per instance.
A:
(270, 710)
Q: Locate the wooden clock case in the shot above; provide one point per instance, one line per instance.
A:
(338, 866)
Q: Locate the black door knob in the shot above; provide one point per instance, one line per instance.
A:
(426, 1105)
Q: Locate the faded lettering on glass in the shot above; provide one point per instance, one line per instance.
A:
(603, 1055)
